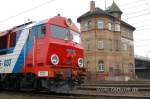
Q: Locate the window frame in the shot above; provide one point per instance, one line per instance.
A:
(117, 27)
(101, 66)
(117, 47)
(40, 34)
(100, 24)
(110, 26)
(84, 26)
(10, 40)
(100, 44)
(130, 66)
(125, 46)
(110, 44)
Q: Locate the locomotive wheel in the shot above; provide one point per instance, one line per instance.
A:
(28, 82)
(11, 82)
(6, 83)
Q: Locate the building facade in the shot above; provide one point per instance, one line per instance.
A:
(108, 44)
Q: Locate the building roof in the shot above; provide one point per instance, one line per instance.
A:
(127, 25)
(114, 8)
(99, 12)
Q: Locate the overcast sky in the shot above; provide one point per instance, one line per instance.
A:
(135, 12)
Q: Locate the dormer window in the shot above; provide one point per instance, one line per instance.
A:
(100, 24)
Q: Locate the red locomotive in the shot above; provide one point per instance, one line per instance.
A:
(47, 54)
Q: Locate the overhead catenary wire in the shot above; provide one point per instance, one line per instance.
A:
(141, 26)
(131, 13)
(139, 21)
(142, 45)
(131, 2)
(134, 6)
(141, 16)
(27, 10)
(145, 8)
(137, 44)
(47, 2)
(141, 41)
(138, 15)
(30, 9)
(143, 29)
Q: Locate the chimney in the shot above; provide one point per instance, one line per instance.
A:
(92, 5)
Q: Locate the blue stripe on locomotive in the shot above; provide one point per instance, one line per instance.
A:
(27, 47)
(24, 52)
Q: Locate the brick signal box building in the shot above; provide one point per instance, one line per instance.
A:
(108, 44)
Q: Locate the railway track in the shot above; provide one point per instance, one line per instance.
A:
(89, 90)
(32, 95)
(128, 89)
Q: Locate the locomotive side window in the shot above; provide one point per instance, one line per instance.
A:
(3, 43)
(41, 31)
(8, 42)
(59, 32)
(12, 40)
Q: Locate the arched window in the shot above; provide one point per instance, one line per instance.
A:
(101, 66)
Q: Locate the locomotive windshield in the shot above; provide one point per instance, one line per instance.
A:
(63, 33)
(59, 32)
(75, 37)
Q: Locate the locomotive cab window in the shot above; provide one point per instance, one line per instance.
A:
(41, 31)
(59, 32)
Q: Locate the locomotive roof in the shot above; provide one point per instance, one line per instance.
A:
(57, 20)
(61, 21)
(16, 28)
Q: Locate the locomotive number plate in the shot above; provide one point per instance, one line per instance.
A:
(43, 73)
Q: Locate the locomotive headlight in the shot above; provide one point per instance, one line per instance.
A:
(80, 62)
(54, 59)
